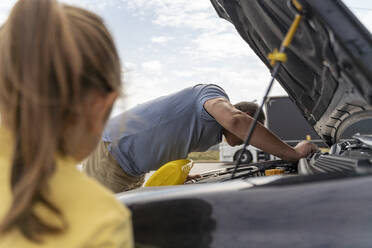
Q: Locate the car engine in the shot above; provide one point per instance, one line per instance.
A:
(346, 156)
(353, 155)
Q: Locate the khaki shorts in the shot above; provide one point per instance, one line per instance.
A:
(103, 167)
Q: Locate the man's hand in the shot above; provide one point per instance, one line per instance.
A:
(304, 149)
(238, 123)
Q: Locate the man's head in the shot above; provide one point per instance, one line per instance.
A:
(250, 109)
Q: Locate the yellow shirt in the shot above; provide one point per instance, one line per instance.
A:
(93, 216)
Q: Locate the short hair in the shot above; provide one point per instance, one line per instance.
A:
(250, 108)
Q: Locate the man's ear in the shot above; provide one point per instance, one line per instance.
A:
(99, 108)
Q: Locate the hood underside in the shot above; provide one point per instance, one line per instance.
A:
(328, 74)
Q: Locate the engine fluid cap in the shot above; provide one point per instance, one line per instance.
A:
(273, 172)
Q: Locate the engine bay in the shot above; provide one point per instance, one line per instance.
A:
(346, 156)
(352, 155)
(246, 170)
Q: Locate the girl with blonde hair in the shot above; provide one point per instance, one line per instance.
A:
(59, 76)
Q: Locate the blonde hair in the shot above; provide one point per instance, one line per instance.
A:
(51, 56)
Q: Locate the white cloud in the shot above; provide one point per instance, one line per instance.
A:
(180, 13)
(219, 46)
(241, 82)
(92, 5)
(152, 67)
(140, 86)
(162, 40)
(129, 66)
(366, 19)
(172, 4)
(197, 20)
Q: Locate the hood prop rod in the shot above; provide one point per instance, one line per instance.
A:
(276, 59)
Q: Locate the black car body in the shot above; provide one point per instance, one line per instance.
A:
(322, 201)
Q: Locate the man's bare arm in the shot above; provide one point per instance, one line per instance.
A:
(238, 123)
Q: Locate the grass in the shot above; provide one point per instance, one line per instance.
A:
(208, 156)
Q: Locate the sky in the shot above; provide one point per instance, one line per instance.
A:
(167, 45)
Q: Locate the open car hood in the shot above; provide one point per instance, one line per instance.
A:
(328, 74)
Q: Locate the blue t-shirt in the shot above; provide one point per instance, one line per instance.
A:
(165, 129)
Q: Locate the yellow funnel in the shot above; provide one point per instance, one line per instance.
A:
(172, 173)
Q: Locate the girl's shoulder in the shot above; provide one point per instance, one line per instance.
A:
(92, 213)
